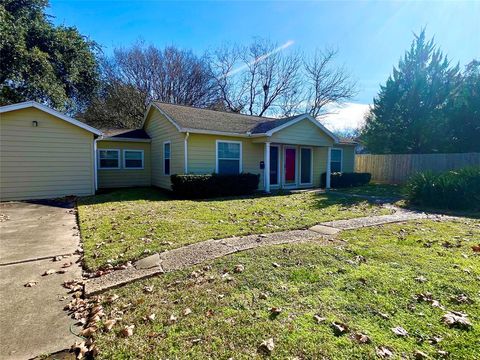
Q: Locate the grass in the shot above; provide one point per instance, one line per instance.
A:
(126, 224)
(380, 190)
(229, 319)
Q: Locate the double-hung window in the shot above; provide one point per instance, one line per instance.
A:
(109, 159)
(133, 159)
(336, 156)
(166, 157)
(229, 157)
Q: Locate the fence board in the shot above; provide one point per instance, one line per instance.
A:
(397, 168)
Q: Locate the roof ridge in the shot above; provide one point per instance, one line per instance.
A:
(228, 112)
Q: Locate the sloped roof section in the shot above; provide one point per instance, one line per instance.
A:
(28, 104)
(125, 133)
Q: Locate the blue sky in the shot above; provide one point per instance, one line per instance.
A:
(371, 36)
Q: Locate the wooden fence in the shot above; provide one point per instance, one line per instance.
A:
(397, 168)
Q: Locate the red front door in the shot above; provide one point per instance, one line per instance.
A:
(290, 158)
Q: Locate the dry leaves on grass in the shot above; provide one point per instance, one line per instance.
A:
(361, 338)
(476, 248)
(187, 311)
(456, 319)
(127, 331)
(384, 352)
(148, 289)
(267, 346)
(400, 331)
(319, 319)
(108, 324)
(275, 311)
(339, 328)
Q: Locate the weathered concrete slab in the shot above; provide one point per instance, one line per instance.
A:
(325, 230)
(148, 262)
(375, 220)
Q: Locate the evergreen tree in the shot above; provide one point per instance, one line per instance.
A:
(409, 115)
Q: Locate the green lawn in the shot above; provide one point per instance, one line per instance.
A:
(371, 283)
(126, 224)
(380, 190)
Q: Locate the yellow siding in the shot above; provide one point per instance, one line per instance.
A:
(302, 133)
(52, 160)
(115, 178)
(160, 129)
(202, 156)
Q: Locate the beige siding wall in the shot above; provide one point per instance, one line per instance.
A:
(302, 133)
(52, 160)
(115, 178)
(202, 156)
(160, 129)
(348, 161)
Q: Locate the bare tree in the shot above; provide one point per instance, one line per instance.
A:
(255, 79)
(326, 84)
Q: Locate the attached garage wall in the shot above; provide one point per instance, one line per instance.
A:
(51, 160)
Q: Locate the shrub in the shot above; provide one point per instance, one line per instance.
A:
(214, 185)
(342, 180)
(455, 189)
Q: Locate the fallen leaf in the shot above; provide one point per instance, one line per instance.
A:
(339, 328)
(31, 283)
(275, 311)
(400, 331)
(89, 331)
(79, 349)
(172, 319)
(112, 298)
(319, 319)
(68, 264)
(361, 338)
(263, 296)
(456, 319)
(127, 330)
(421, 279)
(187, 311)
(148, 289)
(49, 272)
(267, 346)
(276, 265)
(420, 355)
(461, 299)
(476, 248)
(196, 341)
(384, 352)
(108, 324)
(151, 317)
(239, 268)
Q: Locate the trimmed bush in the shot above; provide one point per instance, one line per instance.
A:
(343, 180)
(455, 189)
(214, 185)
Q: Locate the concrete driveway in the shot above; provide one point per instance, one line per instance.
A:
(32, 320)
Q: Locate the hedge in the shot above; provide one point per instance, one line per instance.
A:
(342, 180)
(214, 185)
(455, 189)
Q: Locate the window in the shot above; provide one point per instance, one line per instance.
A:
(229, 157)
(305, 166)
(336, 156)
(166, 157)
(109, 159)
(274, 165)
(133, 159)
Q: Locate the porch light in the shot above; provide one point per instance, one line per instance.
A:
(34, 123)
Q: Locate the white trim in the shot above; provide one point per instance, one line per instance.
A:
(232, 142)
(125, 159)
(169, 158)
(311, 165)
(279, 155)
(284, 181)
(108, 168)
(27, 104)
(341, 158)
(225, 133)
(127, 140)
(152, 104)
(185, 153)
(298, 119)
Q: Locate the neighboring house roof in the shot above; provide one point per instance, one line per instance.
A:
(192, 119)
(125, 133)
(347, 141)
(28, 104)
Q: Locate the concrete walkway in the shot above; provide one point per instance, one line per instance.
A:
(190, 255)
(32, 320)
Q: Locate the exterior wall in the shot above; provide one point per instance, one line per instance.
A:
(54, 159)
(115, 178)
(160, 129)
(302, 133)
(348, 160)
(202, 156)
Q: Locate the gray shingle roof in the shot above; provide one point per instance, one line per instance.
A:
(188, 117)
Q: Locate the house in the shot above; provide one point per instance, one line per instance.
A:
(47, 154)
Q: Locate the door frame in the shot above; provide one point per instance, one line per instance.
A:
(279, 168)
(311, 165)
(284, 167)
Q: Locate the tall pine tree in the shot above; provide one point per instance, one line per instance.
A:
(410, 113)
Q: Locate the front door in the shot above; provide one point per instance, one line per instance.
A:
(290, 166)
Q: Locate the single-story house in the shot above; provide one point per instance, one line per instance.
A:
(47, 154)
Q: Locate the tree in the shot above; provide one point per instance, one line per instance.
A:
(411, 111)
(135, 76)
(54, 65)
(326, 84)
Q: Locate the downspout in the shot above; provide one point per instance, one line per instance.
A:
(95, 175)
(185, 152)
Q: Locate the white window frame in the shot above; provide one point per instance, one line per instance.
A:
(169, 158)
(300, 165)
(279, 169)
(125, 159)
(341, 158)
(108, 168)
(231, 142)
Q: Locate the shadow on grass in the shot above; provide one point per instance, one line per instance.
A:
(473, 214)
